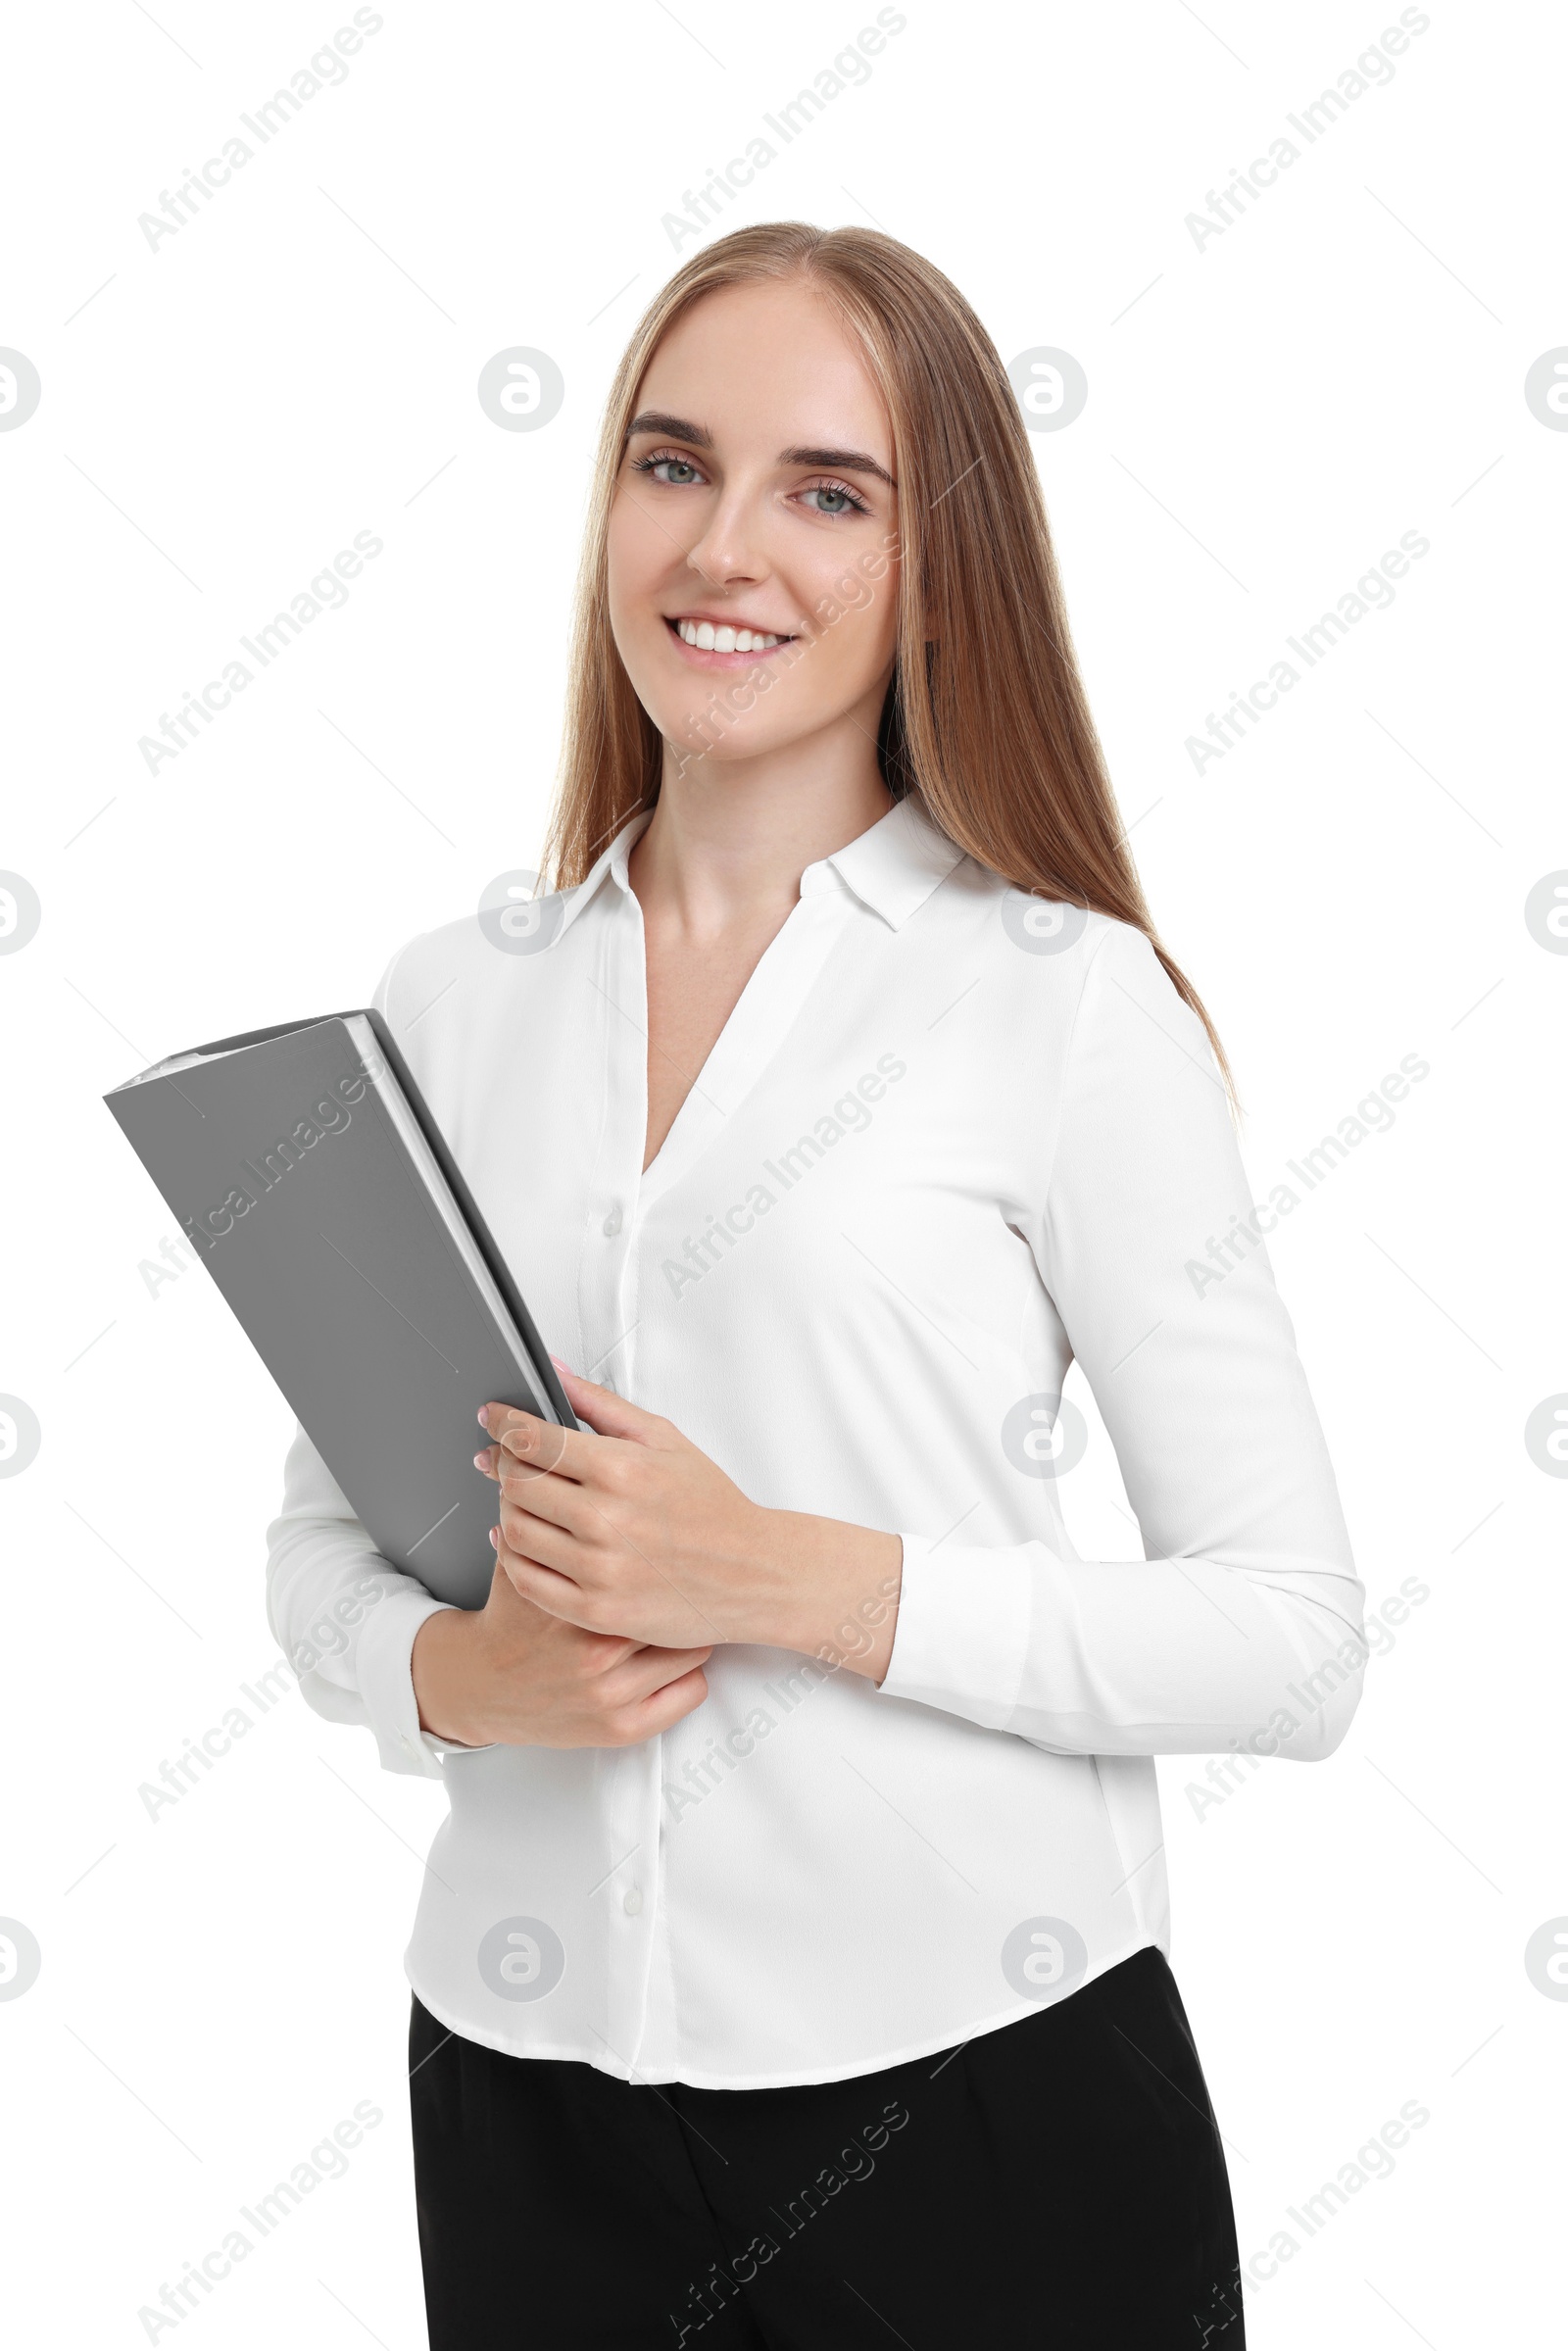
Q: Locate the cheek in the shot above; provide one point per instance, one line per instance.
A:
(881, 620)
(627, 575)
(857, 620)
(639, 556)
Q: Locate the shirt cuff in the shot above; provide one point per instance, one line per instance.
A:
(383, 1669)
(962, 1637)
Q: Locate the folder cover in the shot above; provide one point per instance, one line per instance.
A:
(317, 1189)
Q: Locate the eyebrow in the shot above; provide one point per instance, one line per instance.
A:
(696, 436)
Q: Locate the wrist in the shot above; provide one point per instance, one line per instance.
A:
(441, 1669)
(840, 1591)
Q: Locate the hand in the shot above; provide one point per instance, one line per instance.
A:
(511, 1674)
(626, 1526)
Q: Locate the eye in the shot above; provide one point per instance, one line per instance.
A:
(854, 503)
(686, 469)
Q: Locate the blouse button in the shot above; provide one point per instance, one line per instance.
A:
(611, 1224)
(633, 1901)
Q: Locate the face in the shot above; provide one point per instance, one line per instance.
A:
(752, 565)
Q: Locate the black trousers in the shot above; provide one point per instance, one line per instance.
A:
(1056, 2183)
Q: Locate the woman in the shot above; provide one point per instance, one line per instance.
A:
(802, 1802)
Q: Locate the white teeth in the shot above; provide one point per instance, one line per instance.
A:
(723, 638)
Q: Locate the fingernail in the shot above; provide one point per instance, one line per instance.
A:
(479, 1416)
(495, 1533)
(482, 1460)
(559, 1366)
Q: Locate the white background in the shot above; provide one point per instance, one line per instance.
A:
(1266, 415)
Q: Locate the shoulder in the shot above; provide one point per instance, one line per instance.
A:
(480, 960)
(1133, 1034)
(1055, 949)
(1084, 987)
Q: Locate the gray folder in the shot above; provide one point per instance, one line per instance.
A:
(319, 1192)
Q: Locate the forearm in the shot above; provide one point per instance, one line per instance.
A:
(838, 1590)
(1131, 1657)
(344, 1617)
(442, 1665)
(624, 1527)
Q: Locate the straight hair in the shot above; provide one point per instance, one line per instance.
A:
(996, 743)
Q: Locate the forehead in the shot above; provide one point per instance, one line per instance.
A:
(771, 363)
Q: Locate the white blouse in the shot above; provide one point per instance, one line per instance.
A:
(951, 1138)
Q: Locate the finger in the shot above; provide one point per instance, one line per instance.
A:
(540, 1493)
(639, 1676)
(611, 1415)
(556, 1594)
(504, 1594)
(665, 1707)
(485, 1460)
(538, 1539)
(539, 1443)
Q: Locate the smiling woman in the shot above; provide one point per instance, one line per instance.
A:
(871, 351)
(834, 830)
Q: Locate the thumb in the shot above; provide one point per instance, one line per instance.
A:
(607, 1414)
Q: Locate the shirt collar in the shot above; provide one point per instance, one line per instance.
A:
(892, 869)
(611, 861)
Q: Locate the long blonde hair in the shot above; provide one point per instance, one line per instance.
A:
(1000, 750)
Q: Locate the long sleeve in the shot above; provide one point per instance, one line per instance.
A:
(344, 1617)
(1242, 1626)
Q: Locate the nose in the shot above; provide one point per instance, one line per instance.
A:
(729, 550)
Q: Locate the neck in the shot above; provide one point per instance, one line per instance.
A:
(729, 840)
